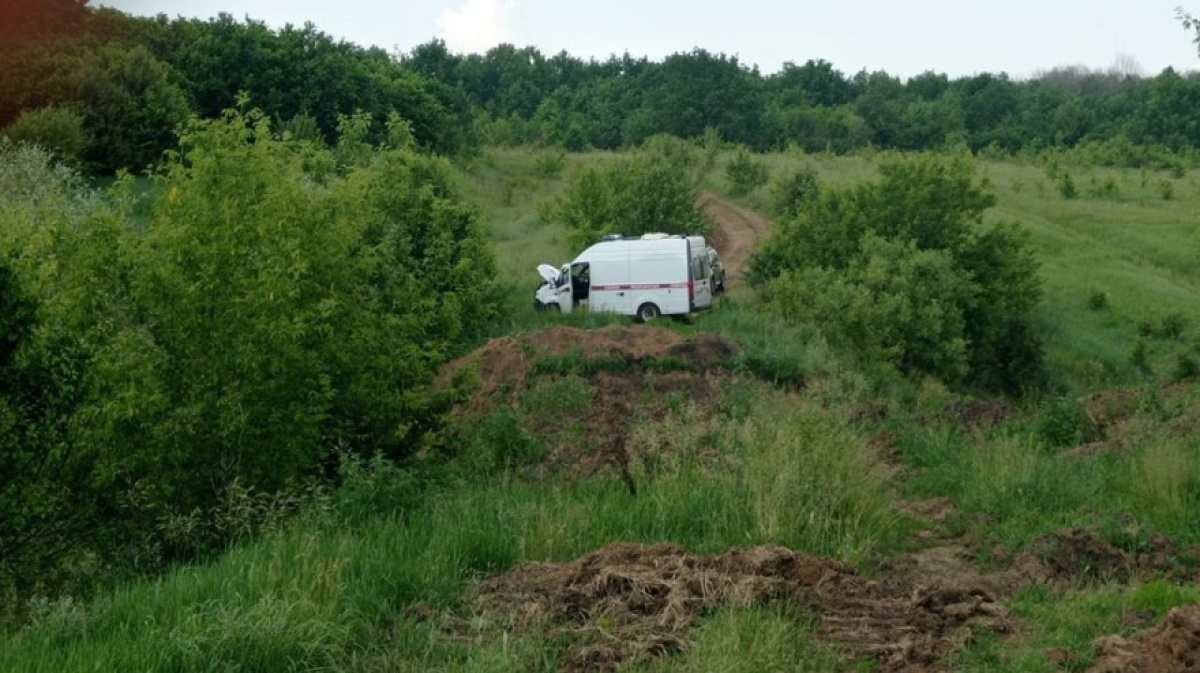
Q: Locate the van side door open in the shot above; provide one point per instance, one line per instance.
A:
(563, 291)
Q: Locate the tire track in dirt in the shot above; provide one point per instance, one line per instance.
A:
(736, 232)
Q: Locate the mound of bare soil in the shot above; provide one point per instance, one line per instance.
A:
(628, 601)
(1172, 647)
(632, 372)
(972, 415)
(980, 414)
(1124, 416)
(1074, 554)
(504, 364)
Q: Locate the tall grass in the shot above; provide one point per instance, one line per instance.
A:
(791, 473)
(1066, 623)
(351, 584)
(1127, 243)
(752, 640)
(1025, 487)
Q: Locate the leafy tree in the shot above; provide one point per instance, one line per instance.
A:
(28, 20)
(816, 83)
(1189, 23)
(271, 309)
(299, 71)
(880, 103)
(907, 260)
(58, 129)
(135, 79)
(691, 92)
(790, 194)
(282, 320)
(746, 173)
(129, 105)
(649, 192)
(819, 129)
(894, 304)
(46, 503)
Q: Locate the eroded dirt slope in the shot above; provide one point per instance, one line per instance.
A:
(627, 372)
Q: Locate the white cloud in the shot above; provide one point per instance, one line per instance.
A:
(478, 26)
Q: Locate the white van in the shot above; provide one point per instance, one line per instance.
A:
(643, 277)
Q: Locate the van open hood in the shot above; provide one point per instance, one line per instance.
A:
(549, 273)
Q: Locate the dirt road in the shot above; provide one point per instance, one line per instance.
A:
(736, 232)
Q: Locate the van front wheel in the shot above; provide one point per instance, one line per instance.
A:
(647, 312)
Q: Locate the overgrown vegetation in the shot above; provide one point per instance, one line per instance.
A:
(902, 272)
(265, 306)
(745, 173)
(222, 444)
(650, 191)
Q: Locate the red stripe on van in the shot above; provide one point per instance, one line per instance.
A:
(640, 286)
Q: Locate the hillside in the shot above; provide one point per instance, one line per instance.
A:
(737, 494)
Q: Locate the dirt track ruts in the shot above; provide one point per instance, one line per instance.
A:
(736, 232)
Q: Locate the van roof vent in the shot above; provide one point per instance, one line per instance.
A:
(611, 237)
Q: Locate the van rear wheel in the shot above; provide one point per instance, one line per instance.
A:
(647, 312)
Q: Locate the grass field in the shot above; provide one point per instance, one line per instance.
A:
(352, 582)
(1118, 242)
(1117, 259)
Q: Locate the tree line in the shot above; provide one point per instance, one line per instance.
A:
(112, 89)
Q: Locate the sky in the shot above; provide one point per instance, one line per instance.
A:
(905, 38)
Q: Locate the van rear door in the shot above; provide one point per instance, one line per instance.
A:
(699, 273)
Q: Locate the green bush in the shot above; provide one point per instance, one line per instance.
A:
(1186, 368)
(1066, 186)
(895, 305)
(745, 173)
(236, 328)
(791, 193)
(1064, 421)
(1173, 326)
(47, 501)
(58, 129)
(549, 163)
(903, 273)
(1139, 359)
(648, 192)
(1106, 189)
(499, 442)
(372, 486)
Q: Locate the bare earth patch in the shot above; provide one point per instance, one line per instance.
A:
(1172, 647)
(626, 386)
(504, 364)
(1079, 554)
(628, 601)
